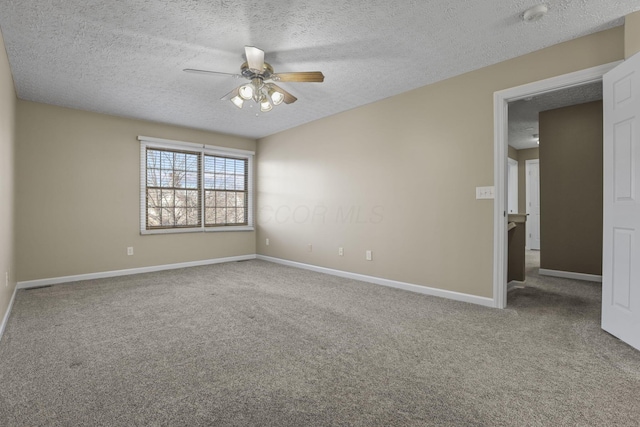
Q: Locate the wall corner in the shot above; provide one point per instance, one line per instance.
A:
(631, 34)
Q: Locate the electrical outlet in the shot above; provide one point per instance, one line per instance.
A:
(130, 250)
(309, 247)
(267, 241)
(340, 251)
(368, 256)
(6, 279)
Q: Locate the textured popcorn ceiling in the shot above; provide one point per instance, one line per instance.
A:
(126, 57)
(523, 114)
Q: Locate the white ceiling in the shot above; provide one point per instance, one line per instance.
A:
(126, 57)
(523, 114)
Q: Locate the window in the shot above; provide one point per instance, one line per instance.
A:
(225, 191)
(192, 187)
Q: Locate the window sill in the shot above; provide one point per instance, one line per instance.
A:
(198, 230)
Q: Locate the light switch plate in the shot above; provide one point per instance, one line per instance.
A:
(485, 192)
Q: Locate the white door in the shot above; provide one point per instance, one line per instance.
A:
(620, 252)
(512, 185)
(532, 169)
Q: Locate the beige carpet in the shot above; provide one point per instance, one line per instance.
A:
(258, 344)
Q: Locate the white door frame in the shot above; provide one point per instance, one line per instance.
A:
(500, 132)
(527, 184)
(512, 184)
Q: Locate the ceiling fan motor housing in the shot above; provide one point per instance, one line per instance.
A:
(267, 71)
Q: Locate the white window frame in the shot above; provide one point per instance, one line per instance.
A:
(151, 142)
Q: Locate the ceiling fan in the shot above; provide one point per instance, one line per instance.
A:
(261, 76)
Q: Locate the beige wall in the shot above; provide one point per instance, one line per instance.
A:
(78, 195)
(631, 34)
(571, 188)
(7, 120)
(513, 153)
(523, 156)
(406, 169)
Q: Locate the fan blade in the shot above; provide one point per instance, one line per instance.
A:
(191, 70)
(303, 76)
(255, 58)
(230, 95)
(288, 98)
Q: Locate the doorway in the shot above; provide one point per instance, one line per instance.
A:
(501, 100)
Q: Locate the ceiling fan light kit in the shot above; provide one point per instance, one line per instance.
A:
(246, 92)
(260, 88)
(276, 97)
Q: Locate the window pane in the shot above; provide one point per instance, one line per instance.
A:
(209, 164)
(208, 180)
(221, 215)
(231, 216)
(153, 159)
(180, 161)
(153, 198)
(230, 166)
(219, 181)
(239, 182)
(167, 219)
(191, 180)
(241, 216)
(167, 198)
(221, 198)
(230, 183)
(240, 199)
(181, 216)
(209, 198)
(166, 179)
(179, 180)
(219, 164)
(231, 200)
(153, 217)
(192, 162)
(166, 159)
(192, 198)
(192, 216)
(181, 198)
(240, 167)
(210, 216)
(153, 177)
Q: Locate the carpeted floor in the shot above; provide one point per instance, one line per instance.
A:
(258, 344)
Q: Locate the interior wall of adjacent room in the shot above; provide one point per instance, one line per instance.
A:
(523, 156)
(571, 188)
(631, 34)
(78, 195)
(7, 148)
(398, 176)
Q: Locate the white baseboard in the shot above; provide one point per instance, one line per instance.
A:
(487, 302)
(5, 319)
(570, 275)
(90, 276)
(517, 283)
